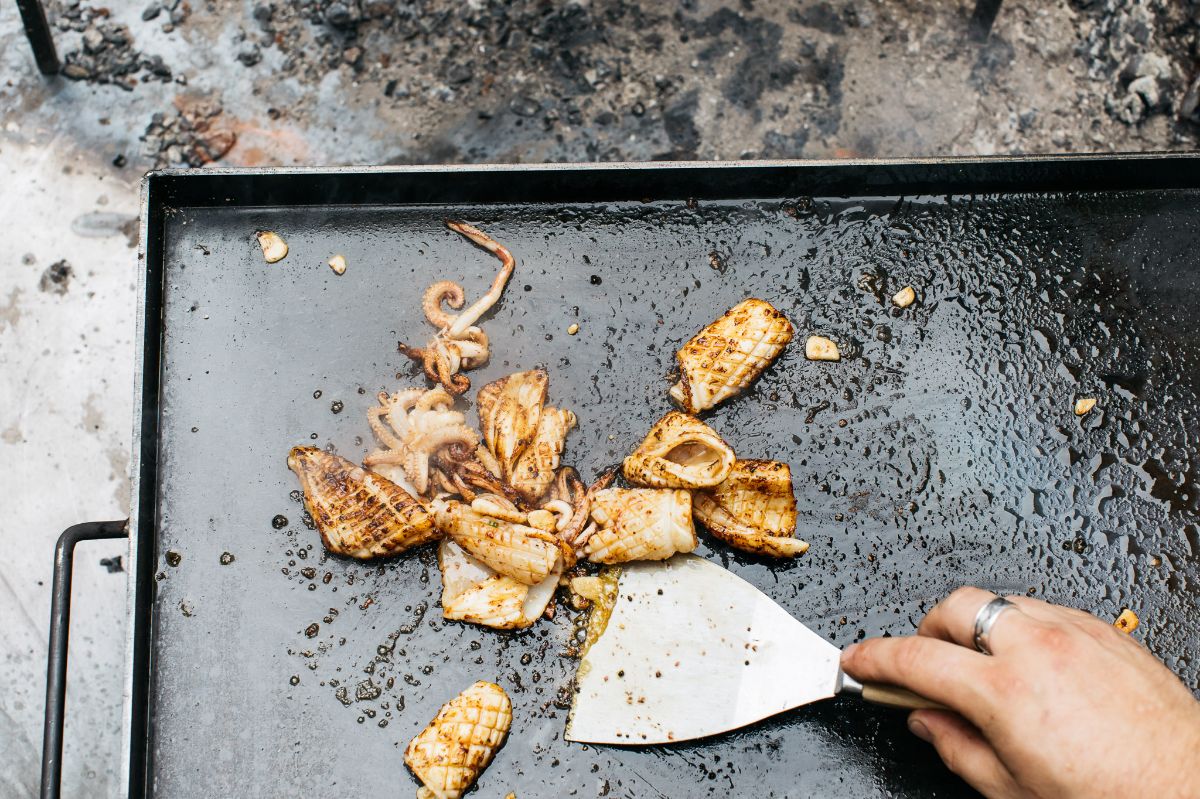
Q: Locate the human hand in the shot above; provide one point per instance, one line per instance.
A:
(1066, 706)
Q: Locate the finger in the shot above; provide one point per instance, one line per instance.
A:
(937, 670)
(964, 751)
(953, 619)
(1045, 611)
(1057, 614)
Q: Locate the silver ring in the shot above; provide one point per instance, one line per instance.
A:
(985, 619)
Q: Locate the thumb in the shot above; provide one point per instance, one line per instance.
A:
(965, 751)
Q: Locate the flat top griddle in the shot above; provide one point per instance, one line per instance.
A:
(941, 451)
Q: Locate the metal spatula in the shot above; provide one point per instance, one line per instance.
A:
(692, 650)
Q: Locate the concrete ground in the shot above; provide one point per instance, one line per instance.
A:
(384, 81)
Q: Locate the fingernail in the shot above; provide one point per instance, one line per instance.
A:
(918, 728)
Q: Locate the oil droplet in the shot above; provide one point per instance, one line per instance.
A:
(317, 394)
(173, 558)
(295, 680)
(279, 522)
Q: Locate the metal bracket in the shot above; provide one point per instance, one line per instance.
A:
(60, 628)
(37, 30)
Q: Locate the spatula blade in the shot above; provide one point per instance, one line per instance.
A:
(692, 650)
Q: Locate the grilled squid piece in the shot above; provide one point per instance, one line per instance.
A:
(412, 426)
(516, 550)
(475, 593)
(450, 754)
(509, 411)
(725, 357)
(459, 344)
(680, 452)
(571, 502)
(536, 467)
(640, 524)
(358, 513)
(754, 510)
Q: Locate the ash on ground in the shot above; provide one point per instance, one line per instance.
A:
(427, 81)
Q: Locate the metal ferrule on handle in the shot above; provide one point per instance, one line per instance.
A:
(60, 628)
(886, 695)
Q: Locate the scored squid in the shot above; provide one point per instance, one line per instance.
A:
(726, 357)
(538, 464)
(358, 513)
(753, 510)
(524, 435)
(474, 593)
(450, 754)
(640, 524)
(680, 451)
(511, 548)
(509, 411)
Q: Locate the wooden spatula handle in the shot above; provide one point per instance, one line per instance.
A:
(891, 696)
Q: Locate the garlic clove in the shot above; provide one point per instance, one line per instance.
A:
(819, 348)
(904, 297)
(274, 248)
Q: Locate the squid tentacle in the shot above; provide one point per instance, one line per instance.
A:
(478, 308)
(443, 291)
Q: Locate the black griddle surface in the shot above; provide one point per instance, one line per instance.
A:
(942, 451)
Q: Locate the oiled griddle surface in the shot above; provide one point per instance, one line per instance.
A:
(941, 451)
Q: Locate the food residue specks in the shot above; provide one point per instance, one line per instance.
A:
(317, 394)
(186, 608)
(226, 558)
(336, 406)
(312, 630)
(595, 280)
(338, 264)
(1084, 405)
(280, 521)
(274, 248)
(904, 297)
(295, 680)
(820, 348)
(1127, 622)
(173, 558)
(573, 329)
